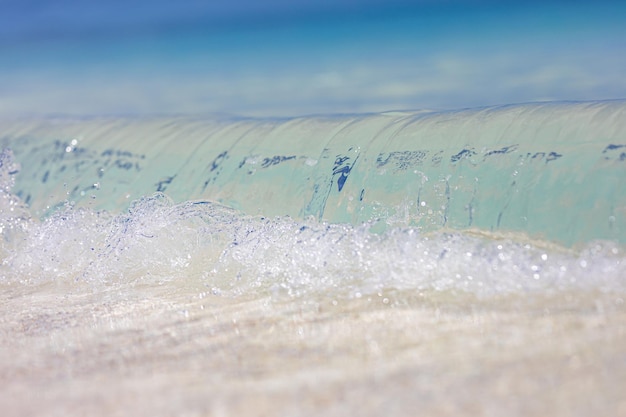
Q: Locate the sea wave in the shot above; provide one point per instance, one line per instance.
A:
(553, 170)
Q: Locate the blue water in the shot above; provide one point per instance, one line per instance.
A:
(148, 60)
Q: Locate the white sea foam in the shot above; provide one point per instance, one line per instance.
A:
(208, 245)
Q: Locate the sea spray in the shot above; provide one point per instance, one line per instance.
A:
(231, 253)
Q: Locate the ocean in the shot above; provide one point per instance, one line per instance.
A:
(446, 263)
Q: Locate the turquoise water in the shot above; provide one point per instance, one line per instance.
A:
(551, 171)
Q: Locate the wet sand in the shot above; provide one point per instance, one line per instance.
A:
(165, 350)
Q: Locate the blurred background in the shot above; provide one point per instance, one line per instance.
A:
(287, 58)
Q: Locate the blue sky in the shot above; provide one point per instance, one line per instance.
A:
(286, 58)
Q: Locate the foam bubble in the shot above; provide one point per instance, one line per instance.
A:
(205, 244)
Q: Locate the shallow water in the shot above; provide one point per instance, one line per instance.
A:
(134, 282)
